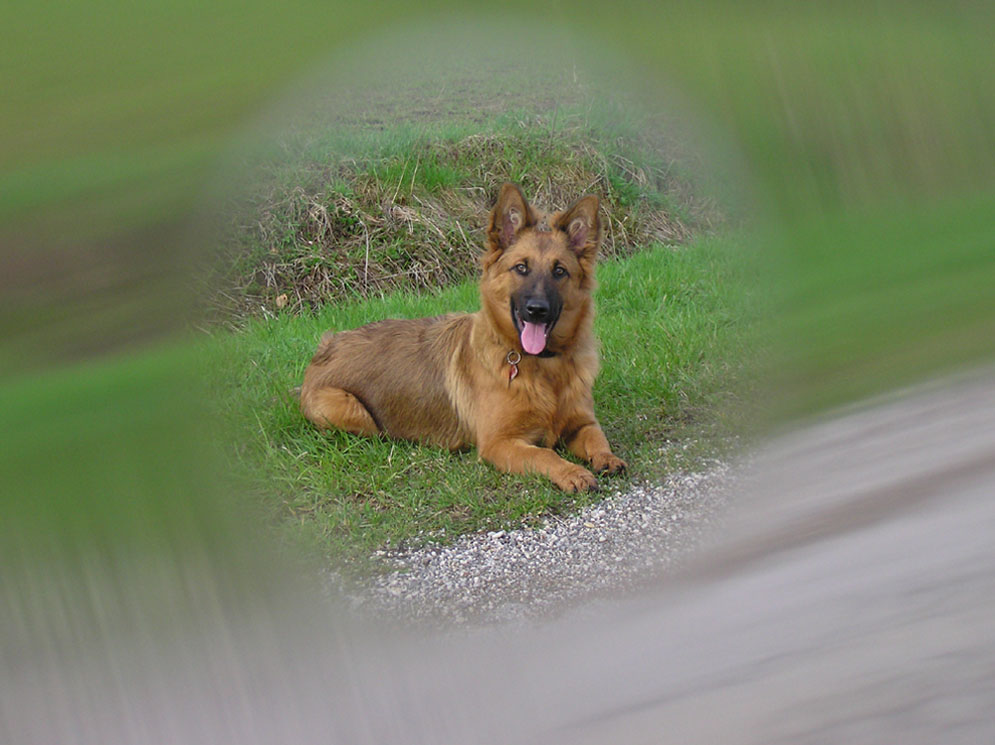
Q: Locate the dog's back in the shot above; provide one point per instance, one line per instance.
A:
(397, 370)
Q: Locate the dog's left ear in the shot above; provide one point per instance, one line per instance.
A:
(582, 226)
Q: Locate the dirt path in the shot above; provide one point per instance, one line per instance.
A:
(527, 574)
(850, 600)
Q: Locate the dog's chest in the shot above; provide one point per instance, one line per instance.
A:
(546, 401)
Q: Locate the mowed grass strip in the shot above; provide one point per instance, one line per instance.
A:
(670, 322)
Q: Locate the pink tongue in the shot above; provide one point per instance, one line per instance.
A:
(533, 337)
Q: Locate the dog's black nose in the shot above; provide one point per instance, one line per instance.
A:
(537, 309)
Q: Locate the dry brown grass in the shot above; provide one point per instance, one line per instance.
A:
(355, 228)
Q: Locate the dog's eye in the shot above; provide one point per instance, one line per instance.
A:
(522, 269)
(559, 272)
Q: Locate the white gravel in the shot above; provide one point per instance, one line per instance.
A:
(528, 573)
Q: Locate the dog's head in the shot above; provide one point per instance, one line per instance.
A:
(539, 271)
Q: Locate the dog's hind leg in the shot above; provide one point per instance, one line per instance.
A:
(334, 407)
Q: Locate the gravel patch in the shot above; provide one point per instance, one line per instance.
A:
(528, 573)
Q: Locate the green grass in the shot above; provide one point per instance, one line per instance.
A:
(669, 321)
(915, 301)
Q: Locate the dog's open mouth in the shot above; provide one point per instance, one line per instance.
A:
(532, 334)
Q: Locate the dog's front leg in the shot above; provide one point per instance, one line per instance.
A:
(516, 455)
(589, 443)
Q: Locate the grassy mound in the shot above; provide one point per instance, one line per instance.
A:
(342, 225)
(407, 210)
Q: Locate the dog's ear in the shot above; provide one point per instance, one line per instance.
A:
(582, 226)
(510, 216)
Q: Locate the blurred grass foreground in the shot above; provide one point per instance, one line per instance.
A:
(861, 134)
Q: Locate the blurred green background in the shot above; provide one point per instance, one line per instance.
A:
(865, 130)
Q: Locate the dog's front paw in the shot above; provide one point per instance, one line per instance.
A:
(575, 479)
(607, 463)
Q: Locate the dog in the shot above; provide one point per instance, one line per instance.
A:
(513, 379)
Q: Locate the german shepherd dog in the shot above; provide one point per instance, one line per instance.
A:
(514, 378)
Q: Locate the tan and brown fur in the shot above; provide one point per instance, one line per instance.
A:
(446, 380)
